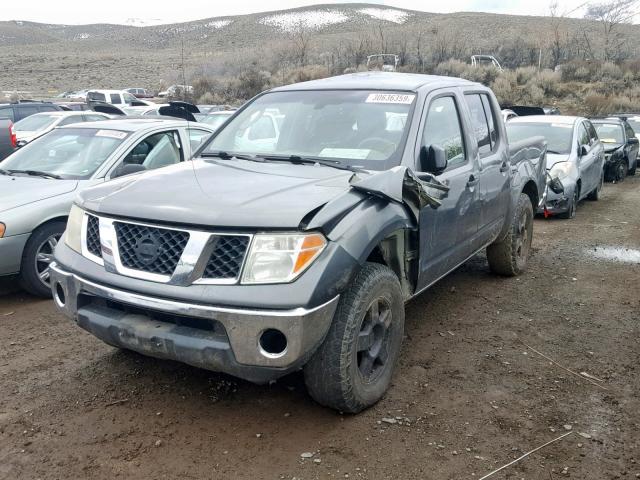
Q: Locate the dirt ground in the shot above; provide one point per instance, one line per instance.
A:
(470, 393)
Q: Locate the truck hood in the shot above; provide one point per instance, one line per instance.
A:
(221, 193)
(16, 191)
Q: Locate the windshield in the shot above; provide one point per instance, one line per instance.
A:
(72, 153)
(354, 127)
(214, 120)
(557, 135)
(34, 123)
(609, 132)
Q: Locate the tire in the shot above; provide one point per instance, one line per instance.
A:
(338, 375)
(620, 171)
(509, 256)
(37, 254)
(594, 195)
(573, 205)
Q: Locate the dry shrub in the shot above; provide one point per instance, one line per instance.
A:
(525, 74)
(602, 105)
(504, 90)
(451, 68)
(303, 74)
(609, 71)
(548, 81)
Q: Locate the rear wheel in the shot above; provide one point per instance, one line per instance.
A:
(352, 368)
(37, 257)
(509, 256)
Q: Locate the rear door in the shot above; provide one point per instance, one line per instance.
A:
(494, 165)
(633, 143)
(447, 233)
(587, 164)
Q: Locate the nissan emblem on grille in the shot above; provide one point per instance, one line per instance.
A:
(148, 249)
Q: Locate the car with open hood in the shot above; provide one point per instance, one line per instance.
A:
(621, 147)
(575, 158)
(303, 226)
(39, 181)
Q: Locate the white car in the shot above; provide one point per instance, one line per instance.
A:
(38, 124)
(114, 97)
(175, 89)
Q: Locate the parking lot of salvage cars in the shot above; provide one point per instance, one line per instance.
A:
(473, 390)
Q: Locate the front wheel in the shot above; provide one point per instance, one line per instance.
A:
(573, 205)
(621, 171)
(37, 256)
(509, 256)
(352, 369)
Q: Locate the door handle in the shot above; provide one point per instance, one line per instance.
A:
(473, 180)
(504, 167)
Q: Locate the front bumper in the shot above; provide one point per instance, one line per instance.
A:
(555, 203)
(11, 249)
(210, 337)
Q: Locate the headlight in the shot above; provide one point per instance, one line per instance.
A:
(2, 229)
(73, 233)
(280, 258)
(561, 170)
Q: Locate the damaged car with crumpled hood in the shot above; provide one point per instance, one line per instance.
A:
(297, 235)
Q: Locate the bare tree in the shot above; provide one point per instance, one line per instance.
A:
(611, 15)
(301, 41)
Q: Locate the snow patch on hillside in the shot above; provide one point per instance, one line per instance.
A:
(217, 24)
(309, 20)
(388, 14)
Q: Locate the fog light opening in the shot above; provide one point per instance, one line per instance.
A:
(273, 343)
(59, 295)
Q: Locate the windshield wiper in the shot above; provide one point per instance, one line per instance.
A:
(38, 173)
(5, 172)
(228, 156)
(553, 152)
(297, 159)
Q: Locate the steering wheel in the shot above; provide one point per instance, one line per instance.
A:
(379, 145)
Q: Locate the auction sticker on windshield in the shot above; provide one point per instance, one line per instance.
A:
(396, 98)
(111, 134)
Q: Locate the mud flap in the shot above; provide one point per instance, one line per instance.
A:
(402, 185)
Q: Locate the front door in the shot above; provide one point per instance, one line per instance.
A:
(447, 233)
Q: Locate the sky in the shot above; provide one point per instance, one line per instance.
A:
(153, 12)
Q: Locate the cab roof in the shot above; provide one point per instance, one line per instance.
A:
(409, 82)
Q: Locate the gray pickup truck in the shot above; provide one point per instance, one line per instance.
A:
(302, 228)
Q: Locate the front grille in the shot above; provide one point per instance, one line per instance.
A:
(227, 257)
(93, 236)
(150, 249)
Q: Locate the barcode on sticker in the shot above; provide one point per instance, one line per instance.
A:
(397, 98)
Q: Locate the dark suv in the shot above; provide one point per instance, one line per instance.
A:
(18, 111)
(620, 147)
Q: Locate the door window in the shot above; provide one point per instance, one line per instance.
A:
(115, 98)
(443, 128)
(155, 151)
(630, 133)
(7, 112)
(483, 122)
(24, 111)
(593, 135)
(583, 136)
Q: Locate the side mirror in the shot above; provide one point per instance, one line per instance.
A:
(433, 159)
(128, 169)
(583, 150)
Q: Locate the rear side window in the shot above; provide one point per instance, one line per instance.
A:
(48, 108)
(442, 128)
(96, 96)
(483, 122)
(24, 111)
(115, 98)
(7, 112)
